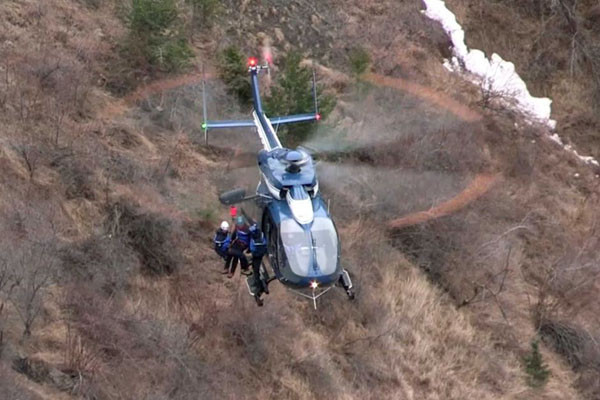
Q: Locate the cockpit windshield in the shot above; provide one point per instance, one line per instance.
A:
(297, 246)
(307, 249)
(325, 241)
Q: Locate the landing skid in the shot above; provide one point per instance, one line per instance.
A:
(314, 296)
(344, 282)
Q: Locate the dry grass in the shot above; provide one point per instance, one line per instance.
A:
(117, 333)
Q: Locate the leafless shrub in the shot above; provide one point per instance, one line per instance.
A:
(119, 342)
(79, 359)
(96, 318)
(33, 267)
(31, 157)
(11, 389)
(123, 169)
(567, 340)
(104, 261)
(95, 4)
(41, 372)
(565, 279)
(76, 176)
(5, 280)
(150, 235)
(493, 98)
(35, 370)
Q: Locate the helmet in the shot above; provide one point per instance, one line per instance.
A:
(239, 221)
(225, 225)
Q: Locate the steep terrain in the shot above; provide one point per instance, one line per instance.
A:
(110, 288)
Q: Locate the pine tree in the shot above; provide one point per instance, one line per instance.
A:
(293, 94)
(359, 61)
(233, 71)
(155, 35)
(535, 367)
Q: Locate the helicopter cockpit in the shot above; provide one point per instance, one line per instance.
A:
(312, 252)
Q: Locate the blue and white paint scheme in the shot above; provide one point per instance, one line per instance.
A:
(304, 246)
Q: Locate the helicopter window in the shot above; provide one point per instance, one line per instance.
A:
(298, 193)
(312, 189)
(297, 245)
(325, 243)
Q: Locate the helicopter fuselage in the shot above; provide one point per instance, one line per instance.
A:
(303, 243)
(304, 247)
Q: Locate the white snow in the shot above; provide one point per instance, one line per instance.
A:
(496, 76)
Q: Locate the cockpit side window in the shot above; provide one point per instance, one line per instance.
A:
(312, 190)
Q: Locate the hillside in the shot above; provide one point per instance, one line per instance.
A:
(468, 232)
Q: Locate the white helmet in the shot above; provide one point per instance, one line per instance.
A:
(225, 225)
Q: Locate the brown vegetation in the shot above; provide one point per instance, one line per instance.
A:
(107, 210)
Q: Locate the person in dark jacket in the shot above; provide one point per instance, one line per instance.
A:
(258, 248)
(222, 240)
(240, 241)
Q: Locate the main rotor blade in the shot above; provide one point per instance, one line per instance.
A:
(393, 191)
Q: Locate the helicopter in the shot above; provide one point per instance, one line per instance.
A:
(304, 249)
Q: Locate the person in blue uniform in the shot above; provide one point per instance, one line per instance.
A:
(240, 241)
(258, 248)
(222, 240)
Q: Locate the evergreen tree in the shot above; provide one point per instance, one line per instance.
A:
(359, 61)
(156, 35)
(234, 72)
(203, 11)
(535, 367)
(293, 94)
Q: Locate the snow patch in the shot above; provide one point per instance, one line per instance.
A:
(496, 76)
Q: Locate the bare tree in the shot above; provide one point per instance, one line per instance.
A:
(4, 283)
(31, 157)
(31, 271)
